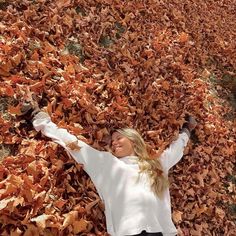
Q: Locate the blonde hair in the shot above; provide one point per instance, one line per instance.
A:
(158, 180)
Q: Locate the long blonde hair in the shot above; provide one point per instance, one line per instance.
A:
(158, 180)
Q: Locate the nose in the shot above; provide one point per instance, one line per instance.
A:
(113, 142)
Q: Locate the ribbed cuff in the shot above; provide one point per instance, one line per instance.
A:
(41, 115)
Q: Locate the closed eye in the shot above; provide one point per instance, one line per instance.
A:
(116, 139)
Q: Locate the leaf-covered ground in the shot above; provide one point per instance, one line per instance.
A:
(100, 64)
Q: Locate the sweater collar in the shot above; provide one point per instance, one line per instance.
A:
(129, 159)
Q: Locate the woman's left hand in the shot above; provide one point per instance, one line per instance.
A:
(191, 123)
(30, 104)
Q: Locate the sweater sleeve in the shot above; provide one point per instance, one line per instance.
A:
(92, 159)
(174, 152)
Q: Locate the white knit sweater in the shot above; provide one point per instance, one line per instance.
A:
(130, 205)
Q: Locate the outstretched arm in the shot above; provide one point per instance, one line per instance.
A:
(92, 159)
(174, 152)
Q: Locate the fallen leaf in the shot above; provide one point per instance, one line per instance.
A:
(70, 218)
(41, 220)
(80, 226)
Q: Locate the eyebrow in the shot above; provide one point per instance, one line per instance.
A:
(117, 136)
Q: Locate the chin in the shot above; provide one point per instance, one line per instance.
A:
(119, 155)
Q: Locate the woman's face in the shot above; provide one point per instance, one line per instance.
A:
(121, 146)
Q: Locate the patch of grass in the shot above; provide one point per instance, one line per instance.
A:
(232, 209)
(231, 178)
(79, 10)
(6, 150)
(105, 41)
(76, 49)
(213, 79)
(4, 4)
(4, 103)
(120, 29)
(229, 81)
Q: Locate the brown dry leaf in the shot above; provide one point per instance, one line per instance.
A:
(9, 190)
(198, 231)
(165, 85)
(59, 203)
(6, 90)
(15, 110)
(70, 69)
(4, 202)
(35, 56)
(16, 232)
(73, 146)
(5, 68)
(37, 87)
(147, 74)
(11, 203)
(63, 3)
(31, 230)
(39, 199)
(183, 37)
(177, 216)
(41, 220)
(70, 218)
(201, 210)
(80, 226)
(32, 169)
(70, 189)
(219, 212)
(201, 176)
(17, 59)
(28, 194)
(102, 133)
(58, 165)
(90, 205)
(45, 178)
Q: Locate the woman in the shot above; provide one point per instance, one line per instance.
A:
(133, 187)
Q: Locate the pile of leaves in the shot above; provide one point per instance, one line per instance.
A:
(101, 64)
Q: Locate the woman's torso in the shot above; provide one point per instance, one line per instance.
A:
(130, 204)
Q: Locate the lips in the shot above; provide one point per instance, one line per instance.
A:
(117, 148)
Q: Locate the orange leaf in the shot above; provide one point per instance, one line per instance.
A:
(6, 90)
(67, 102)
(32, 230)
(219, 212)
(45, 178)
(177, 216)
(91, 205)
(15, 110)
(17, 59)
(35, 56)
(41, 220)
(70, 218)
(79, 226)
(5, 68)
(37, 87)
(73, 146)
(32, 169)
(59, 203)
(4, 202)
(165, 85)
(16, 232)
(183, 37)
